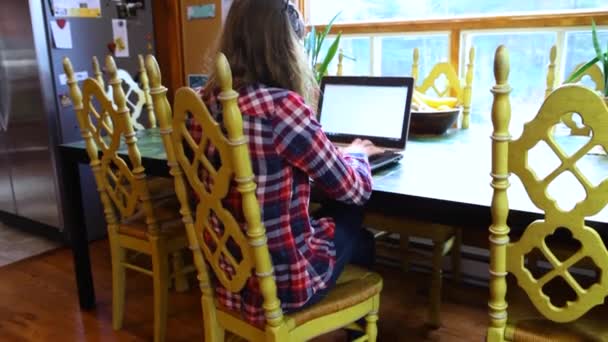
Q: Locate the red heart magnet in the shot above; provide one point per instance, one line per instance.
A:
(112, 47)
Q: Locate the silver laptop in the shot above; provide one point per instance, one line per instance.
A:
(373, 108)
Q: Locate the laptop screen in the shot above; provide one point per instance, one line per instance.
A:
(374, 108)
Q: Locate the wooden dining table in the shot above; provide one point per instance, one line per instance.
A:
(441, 179)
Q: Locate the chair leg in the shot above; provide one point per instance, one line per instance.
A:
(457, 256)
(160, 267)
(371, 328)
(213, 331)
(181, 281)
(436, 278)
(118, 255)
(404, 241)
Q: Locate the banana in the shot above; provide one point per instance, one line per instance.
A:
(432, 102)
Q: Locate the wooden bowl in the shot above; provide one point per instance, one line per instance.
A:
(433, 122)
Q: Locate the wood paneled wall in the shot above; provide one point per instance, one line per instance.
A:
(167, 23)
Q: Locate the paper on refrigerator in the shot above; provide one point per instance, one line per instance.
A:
(121, 37)
(77, 8)
(62, 34)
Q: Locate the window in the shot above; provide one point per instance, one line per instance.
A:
(397, 53)
(529, 57)
(579, 49)
(357, 51)
(321, 11)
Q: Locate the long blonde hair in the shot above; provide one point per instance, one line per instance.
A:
(261, 40)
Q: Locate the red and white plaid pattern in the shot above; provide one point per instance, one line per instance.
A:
(288, 148)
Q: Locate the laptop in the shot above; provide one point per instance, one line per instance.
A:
(372, 108)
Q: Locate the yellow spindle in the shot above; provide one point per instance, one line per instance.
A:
(97, 72)
(551, 71)
(145, 86)
(164, 117)
(123, 119)
(415, 66)
(246, 186)
(468, 89)
(499, 230)
(340, 63)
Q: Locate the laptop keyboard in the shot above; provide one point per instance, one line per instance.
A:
(377, 161)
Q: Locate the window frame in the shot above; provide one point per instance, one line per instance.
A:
(456, 25)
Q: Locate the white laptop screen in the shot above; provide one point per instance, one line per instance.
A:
(373, 108)
(364, 110)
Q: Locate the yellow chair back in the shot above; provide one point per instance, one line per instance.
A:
(594, 72)
(122, 186)
(513, 157)
(235, 166)
(454, 87)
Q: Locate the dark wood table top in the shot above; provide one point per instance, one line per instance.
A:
(436, 172)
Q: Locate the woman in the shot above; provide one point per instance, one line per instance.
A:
(287, 145)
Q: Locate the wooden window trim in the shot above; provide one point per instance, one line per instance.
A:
(458, 24)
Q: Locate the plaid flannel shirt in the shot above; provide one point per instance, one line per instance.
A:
(288, 148)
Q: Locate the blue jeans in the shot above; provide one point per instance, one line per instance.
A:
(354, 244)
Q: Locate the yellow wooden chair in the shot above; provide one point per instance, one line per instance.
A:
(142, 101)
(357, 293)
(455, 87)
(446, 239)
(596, 75)
(546, 315)
(139, 215)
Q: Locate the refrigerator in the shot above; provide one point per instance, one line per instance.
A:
(36, 114)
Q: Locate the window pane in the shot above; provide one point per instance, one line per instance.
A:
(529, 56)
(321, 11)
(579, 49)
(354, 48)
(397, 53)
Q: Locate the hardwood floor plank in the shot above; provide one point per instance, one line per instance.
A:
(38, 302)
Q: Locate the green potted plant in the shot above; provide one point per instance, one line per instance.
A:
(601, 57)
(313, 44)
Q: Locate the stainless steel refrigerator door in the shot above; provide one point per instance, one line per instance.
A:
(7, 198)
(29, 153)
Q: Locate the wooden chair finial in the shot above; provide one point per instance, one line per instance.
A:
(551, 71)
(415, 65)
(153, 72)
(75, 93)
(224, 74)
(97, 72)
(111, 67)
(162, 108)
(67, 67)
(116, 83)
(501, 65)
(145, 87)
(467, 91)
(340, 71)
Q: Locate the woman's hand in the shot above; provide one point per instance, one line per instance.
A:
(363, 146)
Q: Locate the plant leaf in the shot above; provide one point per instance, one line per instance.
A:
(605, 73)
(596, 42)
(575, 75)
(313, 44)
(331, 53)
(327, 30)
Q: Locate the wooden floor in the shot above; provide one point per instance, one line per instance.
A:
(38, 303)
